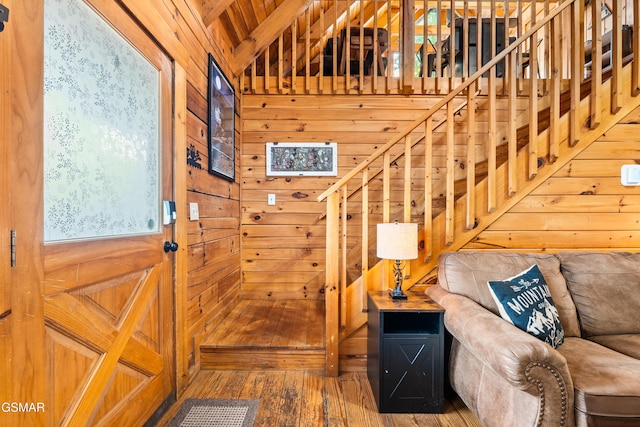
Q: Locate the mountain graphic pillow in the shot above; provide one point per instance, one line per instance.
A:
(525, 301)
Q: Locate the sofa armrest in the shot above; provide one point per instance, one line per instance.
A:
(521, 359)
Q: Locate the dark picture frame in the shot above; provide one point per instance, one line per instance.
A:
(221, 130)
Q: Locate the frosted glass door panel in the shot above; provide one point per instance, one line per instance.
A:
(101, 129)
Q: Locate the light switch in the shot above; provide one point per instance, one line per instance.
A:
(630, 175)
(194, 214)
(271, 199)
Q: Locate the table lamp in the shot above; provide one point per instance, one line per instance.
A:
(399, 242)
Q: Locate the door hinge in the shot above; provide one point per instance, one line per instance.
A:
(13, 248)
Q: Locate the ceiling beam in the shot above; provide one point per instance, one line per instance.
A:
(211, 9)
(268, 30)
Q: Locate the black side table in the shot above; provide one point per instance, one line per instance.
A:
(405, 353)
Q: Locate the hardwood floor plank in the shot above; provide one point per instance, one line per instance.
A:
(234, 383)
(314, 322)
(220, 334)
(358, 408)
(403, 420)
(332, 403)
(212, 382)
(270, 398)
(283, 333)
(313, 414)
(251, 327)
(262, 335)
(253, 386)
(456, 414)
(291, 404)
(250, 319)
(369, 400)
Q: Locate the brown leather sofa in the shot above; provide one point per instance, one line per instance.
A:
(508, 377)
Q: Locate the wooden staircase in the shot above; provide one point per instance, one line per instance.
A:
(549, 146)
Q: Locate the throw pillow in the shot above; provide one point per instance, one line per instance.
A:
(525, 301)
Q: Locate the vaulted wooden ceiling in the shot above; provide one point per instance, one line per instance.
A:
(252, 25)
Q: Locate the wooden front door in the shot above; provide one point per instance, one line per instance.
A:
(108, 301)
(102, 348)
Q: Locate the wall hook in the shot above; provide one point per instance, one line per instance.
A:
(4, 16)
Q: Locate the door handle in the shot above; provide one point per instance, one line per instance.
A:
(170, 246)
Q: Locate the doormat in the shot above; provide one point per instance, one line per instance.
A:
(216, 413)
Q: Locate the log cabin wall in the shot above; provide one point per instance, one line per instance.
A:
(283, 245)
(582, 207)
(213, 240)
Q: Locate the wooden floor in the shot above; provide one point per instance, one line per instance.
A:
(261, 335)
(294, 398)
(274, 351)
(271, 323)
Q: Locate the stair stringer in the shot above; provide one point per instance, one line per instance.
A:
(426, 263)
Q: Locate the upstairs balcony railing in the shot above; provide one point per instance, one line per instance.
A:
(418, 46)
(398, 180)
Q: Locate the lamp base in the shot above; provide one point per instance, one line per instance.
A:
(397, 294)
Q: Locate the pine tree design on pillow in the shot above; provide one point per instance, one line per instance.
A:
(525, 301)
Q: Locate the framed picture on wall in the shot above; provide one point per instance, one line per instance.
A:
(221, 130)
(302, 159)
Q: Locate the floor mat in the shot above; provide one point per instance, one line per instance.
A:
(216, 412)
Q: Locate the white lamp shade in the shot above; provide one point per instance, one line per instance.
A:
(397, 241)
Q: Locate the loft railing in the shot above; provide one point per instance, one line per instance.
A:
(409, 176)
(395, 46)
(391, 46)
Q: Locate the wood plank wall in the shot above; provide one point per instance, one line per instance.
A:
(283, 245)
(213, 240)
(582, 207)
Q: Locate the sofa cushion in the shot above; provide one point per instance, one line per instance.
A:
(605, 382)
(628, 344)
(467, 273)
(606, 291)
(525, 301)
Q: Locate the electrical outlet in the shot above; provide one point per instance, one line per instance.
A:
(194, 214)
(271, 199)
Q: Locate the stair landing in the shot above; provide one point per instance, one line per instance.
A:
(268, 335)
